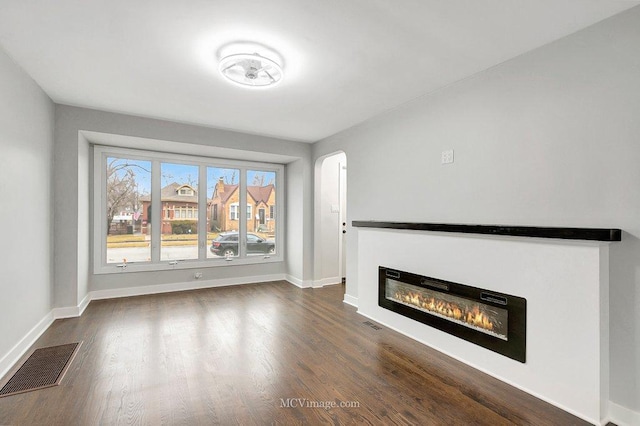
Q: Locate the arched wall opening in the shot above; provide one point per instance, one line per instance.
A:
(330, 219)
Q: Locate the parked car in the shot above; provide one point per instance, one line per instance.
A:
(226, 244)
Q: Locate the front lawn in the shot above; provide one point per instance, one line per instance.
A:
(168, 240)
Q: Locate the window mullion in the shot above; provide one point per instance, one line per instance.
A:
(101, 190)
(242, 214)
(156, 211)
(203, 225)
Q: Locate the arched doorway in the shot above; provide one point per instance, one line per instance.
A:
(330, 219)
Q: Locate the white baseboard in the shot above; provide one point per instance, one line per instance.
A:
(69, 312)
(191, 285)
(488, 372)
(623, 416)
(83, 305)
(24, 344)
(298, 282)
(326, 281)
(350, 300)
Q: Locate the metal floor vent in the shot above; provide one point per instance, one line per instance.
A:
(45, 367)
(372, 325)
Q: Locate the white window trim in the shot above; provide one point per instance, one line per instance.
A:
(99, 234)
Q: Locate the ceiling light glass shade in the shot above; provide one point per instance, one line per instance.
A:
(250, 70)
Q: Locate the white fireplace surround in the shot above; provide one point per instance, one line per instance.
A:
(565, 282)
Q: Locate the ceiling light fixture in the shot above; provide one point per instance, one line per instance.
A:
(251, 69)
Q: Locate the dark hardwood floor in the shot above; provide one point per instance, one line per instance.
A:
(259, 354)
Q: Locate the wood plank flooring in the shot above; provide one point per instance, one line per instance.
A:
(267, 353)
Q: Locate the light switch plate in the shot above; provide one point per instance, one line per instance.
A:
(447, 156)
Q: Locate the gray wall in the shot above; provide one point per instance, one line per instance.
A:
(26, 142)
(74, 277)
(549, 138)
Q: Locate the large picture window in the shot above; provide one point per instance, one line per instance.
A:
(155, 211)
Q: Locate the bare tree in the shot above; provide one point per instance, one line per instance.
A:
(258, 179)
(122, 191)
(191, 181)
(166, 178)
(230, 178)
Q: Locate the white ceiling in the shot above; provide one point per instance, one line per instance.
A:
(344, 60)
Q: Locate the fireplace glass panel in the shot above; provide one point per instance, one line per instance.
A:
(473, 314)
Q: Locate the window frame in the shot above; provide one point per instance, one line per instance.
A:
(233, 212)
(99, 234)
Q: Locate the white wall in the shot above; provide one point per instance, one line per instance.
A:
(295, 240)
(549, 138)
(26, 144)
(74, 128)
(560, 280)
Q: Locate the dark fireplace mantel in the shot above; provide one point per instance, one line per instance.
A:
(589, 234)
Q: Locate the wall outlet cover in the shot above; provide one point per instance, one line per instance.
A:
(447, 156)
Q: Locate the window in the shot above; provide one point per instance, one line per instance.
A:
(155, 211)
(179, 237)
(233, 211)
(261, 192)
(126, 190)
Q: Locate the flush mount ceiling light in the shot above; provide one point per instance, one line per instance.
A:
(250, 69)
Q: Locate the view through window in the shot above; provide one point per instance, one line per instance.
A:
(179, 198)
(154, 212)
(128, 191)
(261, 198)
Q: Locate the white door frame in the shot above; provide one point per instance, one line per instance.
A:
(318, 279)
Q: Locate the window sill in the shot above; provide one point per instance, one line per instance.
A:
(184, 264)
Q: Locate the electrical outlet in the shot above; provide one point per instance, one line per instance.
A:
(197, 275)
(447, 156)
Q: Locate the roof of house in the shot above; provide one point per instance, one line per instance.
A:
(170, 193)
(258, 193)
(227, 192)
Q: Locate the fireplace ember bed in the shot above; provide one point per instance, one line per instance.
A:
(493, 320)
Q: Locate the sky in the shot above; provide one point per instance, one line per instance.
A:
(181, 173)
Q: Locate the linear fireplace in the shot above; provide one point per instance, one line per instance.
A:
(493, 320)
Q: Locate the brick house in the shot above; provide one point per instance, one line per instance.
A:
(179, 203)
(224, 208)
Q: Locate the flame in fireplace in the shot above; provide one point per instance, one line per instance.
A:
(472, 316)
